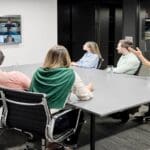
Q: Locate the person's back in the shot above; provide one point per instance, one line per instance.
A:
(13, 79)
(55, 82)
(56, 79)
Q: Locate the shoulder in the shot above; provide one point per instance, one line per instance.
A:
(133, 58)
(89, 54)
(37, 71)
(17, 76)
(76, 75)
(18, 73)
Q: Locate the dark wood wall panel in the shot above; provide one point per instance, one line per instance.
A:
(130, 20)
(102, 30)
(89, 20)
(118, 34)
(64, 23)
(83, 26)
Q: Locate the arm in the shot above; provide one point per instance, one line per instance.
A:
(79, 62)
(90, 87)
(74, 63)
(124, 68)
(23, 80)
(139, 54)
(88, 61)
(80, 90)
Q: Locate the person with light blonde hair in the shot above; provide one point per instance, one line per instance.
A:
(57, 80)
(57, 57)
(92, 56)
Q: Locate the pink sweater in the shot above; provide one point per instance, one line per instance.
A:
(15, 80)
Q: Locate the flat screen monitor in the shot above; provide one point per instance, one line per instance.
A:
(10, 29)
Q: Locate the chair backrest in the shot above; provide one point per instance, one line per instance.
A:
(137, 71)
(101, 60)
(25, 111)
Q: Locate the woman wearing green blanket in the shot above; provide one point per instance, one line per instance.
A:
(57, 80)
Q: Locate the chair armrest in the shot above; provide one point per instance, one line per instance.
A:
(59, 138)
(61, 113)
(50, 127)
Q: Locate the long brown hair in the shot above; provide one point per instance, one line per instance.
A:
(57, 56)
(93, 46)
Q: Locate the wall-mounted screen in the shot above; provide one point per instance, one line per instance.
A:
(10, 29)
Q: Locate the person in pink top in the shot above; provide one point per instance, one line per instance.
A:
(13, 79)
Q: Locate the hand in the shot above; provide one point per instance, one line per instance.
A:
(73, 63)
(137, 52)
(90, 87)
(108, 69)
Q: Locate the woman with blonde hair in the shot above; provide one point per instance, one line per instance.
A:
(92, 56)
(57, 80)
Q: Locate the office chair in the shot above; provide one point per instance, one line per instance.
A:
(146, 116)
(101, 60)
(29, 113)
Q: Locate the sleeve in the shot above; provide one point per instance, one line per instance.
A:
(23, 80)
(89, 62)
(80, 90)
(80, 62)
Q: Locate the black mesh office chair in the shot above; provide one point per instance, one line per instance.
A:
(101, 60)
(29, 113)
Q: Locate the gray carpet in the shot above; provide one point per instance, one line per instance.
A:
(111, 134)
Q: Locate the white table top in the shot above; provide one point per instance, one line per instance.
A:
(28, 69)
(113, 92)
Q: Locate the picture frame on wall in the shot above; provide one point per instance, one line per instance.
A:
(10, 29)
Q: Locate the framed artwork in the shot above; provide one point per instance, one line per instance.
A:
(10, 29)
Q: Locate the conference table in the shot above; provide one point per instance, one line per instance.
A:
(112, 92)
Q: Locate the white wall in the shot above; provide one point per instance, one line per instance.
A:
(39, 30)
